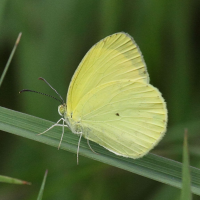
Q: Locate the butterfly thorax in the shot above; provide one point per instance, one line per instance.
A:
(74, 125)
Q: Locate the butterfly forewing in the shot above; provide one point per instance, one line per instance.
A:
(116, 57)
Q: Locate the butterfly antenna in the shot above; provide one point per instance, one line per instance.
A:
(40, 78)
(25, 90)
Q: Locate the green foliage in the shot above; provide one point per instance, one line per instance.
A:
(42, 186)
(6, 179)
(186, 182)
(9, 60)
(56, 35)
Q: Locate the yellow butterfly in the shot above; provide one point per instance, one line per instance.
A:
(111, 102)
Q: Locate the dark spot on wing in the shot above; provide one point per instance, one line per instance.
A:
(117, 114)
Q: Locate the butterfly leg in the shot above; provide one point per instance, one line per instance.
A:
(62, 133)
(56, 124)
(91, 147)
(79, 146)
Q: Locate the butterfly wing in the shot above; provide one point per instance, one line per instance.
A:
(116, 57)
(126, 117)
(111, 97)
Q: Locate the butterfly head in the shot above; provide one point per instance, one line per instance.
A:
(62, 109)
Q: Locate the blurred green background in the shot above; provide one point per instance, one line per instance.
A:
(56, 36)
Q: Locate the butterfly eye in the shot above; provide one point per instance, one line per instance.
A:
(61, 110)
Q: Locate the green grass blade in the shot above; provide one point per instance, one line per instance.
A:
(10, 59)
(42, 186)
(150, 166)
(6, 179)
(186, 184)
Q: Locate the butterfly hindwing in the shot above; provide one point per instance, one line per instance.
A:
(126, 117)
